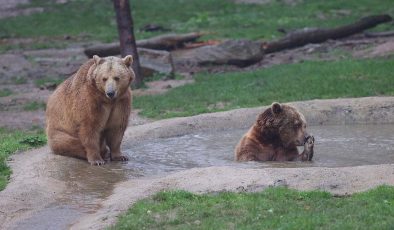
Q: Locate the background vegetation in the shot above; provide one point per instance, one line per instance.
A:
(224, 19)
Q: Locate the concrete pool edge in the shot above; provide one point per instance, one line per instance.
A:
(347, 111)
(345, 180)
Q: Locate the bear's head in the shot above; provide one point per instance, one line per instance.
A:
(282, 124)
(112, 75)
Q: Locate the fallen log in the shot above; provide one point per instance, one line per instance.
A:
(379, 34)
(316, 35)
(103, 50)
(239, 53)
(162, 42)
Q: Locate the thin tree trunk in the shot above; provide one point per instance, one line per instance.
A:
(126, 36)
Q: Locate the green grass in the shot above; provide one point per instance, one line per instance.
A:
(95, 20)
(34, 46)
(34, 105)
(5, 92)
(42, 81)
(274, 208)
(12, 141)
(283, 83)
(19, 80)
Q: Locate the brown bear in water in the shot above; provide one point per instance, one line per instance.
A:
(89, 111)
(275, 137)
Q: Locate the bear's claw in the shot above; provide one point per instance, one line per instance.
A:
(97, 162)
(120, 158)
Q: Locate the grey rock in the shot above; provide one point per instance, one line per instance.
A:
(231, 52)
(155, 61)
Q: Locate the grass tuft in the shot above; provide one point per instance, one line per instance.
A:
(12, 141)
(5, 92)
(48, 80)
(34, 105)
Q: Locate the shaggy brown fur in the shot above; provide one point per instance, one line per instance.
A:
(275, 137)
(89, 111)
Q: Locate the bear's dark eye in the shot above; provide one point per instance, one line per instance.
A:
(116, 78)
(105, 79)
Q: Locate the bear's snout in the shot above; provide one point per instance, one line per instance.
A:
(110, 94)
(110, 89)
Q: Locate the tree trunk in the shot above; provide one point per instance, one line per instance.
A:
(126, 36)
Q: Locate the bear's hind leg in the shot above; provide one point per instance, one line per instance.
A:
(64, 144)
(104, 152)
(114, 139)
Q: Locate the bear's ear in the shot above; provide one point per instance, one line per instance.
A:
(128, 60)
(96, 59)
(276, 108)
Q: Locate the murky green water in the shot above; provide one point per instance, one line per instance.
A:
(336, 146)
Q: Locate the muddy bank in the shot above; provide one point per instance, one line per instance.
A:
(43, 186)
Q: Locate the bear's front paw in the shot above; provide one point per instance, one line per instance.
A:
(120, 158)
(309, 142)
(308, 147)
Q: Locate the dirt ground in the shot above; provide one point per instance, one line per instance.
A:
(22, 72)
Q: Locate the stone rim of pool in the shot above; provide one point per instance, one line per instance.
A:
(35, 184)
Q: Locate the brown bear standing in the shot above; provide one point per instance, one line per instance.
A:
(89, 111)
(275, 137)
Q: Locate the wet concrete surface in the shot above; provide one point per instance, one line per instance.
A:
(56, 217)
(85, 188)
